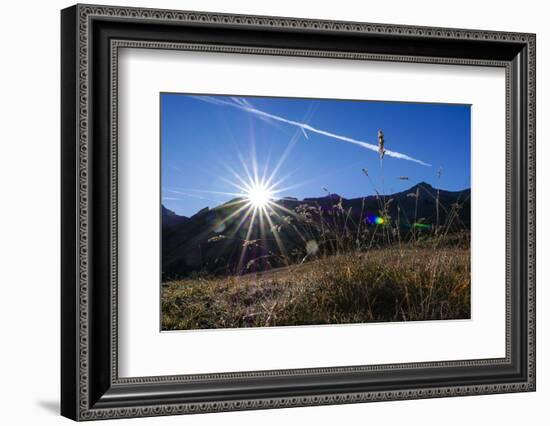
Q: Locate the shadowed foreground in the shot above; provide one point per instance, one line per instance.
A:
(387, 284)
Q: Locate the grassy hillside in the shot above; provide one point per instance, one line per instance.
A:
(407, 283)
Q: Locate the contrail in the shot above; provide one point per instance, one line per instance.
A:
(245, 106)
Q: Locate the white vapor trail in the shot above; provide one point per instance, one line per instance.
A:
(246, 106)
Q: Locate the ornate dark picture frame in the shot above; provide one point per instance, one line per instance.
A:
(91, 37)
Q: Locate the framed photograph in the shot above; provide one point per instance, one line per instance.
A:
(263, 212)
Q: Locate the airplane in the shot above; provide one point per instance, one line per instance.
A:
(381, 149)
(403, 178)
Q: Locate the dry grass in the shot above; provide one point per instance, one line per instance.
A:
(409, 283)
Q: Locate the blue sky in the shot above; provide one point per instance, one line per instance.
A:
(206, 139)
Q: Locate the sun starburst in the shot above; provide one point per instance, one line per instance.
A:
(259, 195)
(256, 211)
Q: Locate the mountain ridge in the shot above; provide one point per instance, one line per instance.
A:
(213, 240)
(329, 197)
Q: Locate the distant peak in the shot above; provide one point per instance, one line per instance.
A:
(422, 184)
(170, 217)
(167, 211)
(330, 197)
(333, 196)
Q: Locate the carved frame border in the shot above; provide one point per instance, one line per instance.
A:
(87, 12)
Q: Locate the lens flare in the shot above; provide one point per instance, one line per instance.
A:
(376, 220)
(422, 225)
(379, 220)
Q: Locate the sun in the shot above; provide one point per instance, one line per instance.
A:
(259, 195)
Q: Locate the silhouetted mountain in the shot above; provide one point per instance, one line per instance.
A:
(169, 218)
(221, 240)
(334, 197)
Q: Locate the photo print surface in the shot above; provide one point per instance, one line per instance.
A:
(293, 211)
